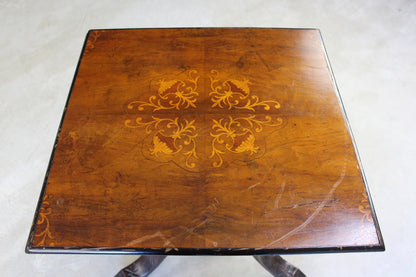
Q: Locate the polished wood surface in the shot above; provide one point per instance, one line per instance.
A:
(204, 141)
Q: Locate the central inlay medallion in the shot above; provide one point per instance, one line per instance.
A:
(173, 132)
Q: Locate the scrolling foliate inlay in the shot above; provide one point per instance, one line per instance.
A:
(172, 94)
(236, 94)
(44, 234)
(364, 208)
(237, 135)
(170, 138)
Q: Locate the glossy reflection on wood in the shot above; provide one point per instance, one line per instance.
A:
(142, 267)
(214, 141)
(275, 264)
(279, 267)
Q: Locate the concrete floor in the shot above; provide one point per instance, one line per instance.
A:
(371, 45)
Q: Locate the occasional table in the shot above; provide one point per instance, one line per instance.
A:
(204, 141)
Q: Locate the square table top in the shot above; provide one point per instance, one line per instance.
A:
(204, 141)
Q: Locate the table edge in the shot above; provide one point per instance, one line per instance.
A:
(202, 251)
(348, 125)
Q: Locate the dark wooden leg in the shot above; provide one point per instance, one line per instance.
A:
(142, 267)
(278, 267)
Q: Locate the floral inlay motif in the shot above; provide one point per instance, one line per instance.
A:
(172, 94)
(237, 135)
(172, 136)
(364, 208)
(43, 223)
(232, 93)
(234, 133)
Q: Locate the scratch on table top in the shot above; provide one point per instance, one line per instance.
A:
(204, 217)
(201, 223)
(291, 195)
(270, 169)
(158, 234)
(279, 196)
(277, 199)
(314, 214)
(191, 232)
(201, 220)
(251, 187)
(206, 214)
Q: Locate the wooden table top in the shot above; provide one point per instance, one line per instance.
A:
(204, 141)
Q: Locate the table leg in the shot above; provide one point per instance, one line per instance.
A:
(278, 267)
(142, 267)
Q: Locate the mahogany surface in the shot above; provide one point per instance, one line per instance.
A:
(204, 141)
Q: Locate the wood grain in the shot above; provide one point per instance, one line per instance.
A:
(204, 140)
